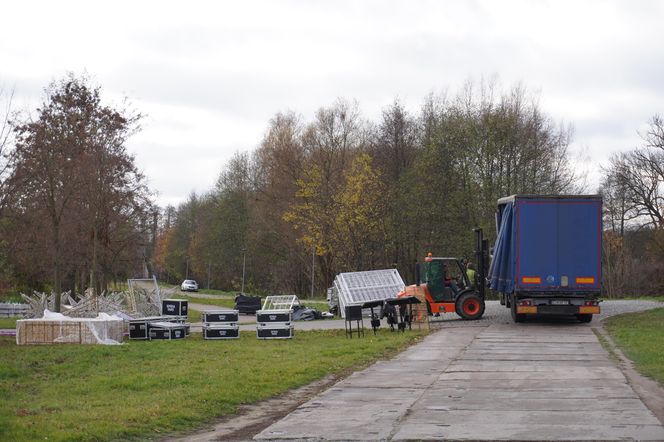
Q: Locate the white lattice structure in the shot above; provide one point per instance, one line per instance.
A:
(283, 302)
(144, 296)
(358, 287)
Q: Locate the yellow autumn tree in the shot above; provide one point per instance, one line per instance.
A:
(312, 217)
(360, 212)
(307, 214)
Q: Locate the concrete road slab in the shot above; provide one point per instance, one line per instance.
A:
(559, 374)
(598, 418)
(530, 384)
(526, 404)
(346, 414)
(501, 382)
(469, 392)
(508, 356)
(521, 432)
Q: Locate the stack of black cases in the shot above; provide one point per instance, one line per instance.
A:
(221, 324)
(274, 324)
(176, 310)
(174, 307)
(140, 328)
(167, 330)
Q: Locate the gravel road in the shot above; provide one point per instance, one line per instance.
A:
(494, 314)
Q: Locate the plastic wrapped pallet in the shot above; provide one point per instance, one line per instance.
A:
(55, 328)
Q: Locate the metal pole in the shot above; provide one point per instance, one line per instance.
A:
(244, 260)
(208, 282)
(313, 269)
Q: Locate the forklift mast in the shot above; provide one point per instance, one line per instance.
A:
(481, 248)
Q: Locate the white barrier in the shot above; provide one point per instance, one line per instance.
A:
(8, 310)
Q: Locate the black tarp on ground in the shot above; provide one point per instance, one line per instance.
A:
(247, 304)
(302, 313)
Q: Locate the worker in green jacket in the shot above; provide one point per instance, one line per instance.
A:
(470, 272)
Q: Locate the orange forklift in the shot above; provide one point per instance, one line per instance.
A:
(446, 287)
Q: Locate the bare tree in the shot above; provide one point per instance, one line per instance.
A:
(633, 190)
(6, 133)
(71, 170)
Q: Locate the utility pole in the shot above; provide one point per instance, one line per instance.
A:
(313, 269)
(244, 261)
(208, 282)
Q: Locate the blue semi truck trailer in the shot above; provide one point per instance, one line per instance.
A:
(547, 259)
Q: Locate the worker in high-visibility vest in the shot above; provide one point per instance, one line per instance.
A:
(470, 272)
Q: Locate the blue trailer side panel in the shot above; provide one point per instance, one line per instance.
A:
(548, 244)
(502, 268)
(537, 245)
(580, 243)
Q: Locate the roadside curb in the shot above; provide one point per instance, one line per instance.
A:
(649, 390)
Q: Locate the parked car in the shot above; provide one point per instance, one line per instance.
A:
(189, 285)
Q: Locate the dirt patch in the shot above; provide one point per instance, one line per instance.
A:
(252, 419)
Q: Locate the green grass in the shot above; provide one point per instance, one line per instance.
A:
(659, 298)
(640, 336)
(11, 297)
(145, 390)
(194, 315)
(8, 322)
(222, 302)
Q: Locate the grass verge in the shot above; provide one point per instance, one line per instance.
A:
(221, 302)
(640, 336)
(8, 322)
(144, 390)
(194, 315)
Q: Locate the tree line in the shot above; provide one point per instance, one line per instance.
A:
(342, 193)
(330, 193)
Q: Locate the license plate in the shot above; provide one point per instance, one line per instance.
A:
(559, 302)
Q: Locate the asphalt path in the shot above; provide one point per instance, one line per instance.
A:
(494, 314)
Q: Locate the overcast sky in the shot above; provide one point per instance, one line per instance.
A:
(211, 74)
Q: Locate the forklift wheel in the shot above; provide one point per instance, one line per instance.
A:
(470, 306)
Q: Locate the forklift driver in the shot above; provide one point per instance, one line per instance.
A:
(449, 281)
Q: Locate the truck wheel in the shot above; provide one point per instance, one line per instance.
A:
(516, 317)
(584, 317)
(469, 306)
